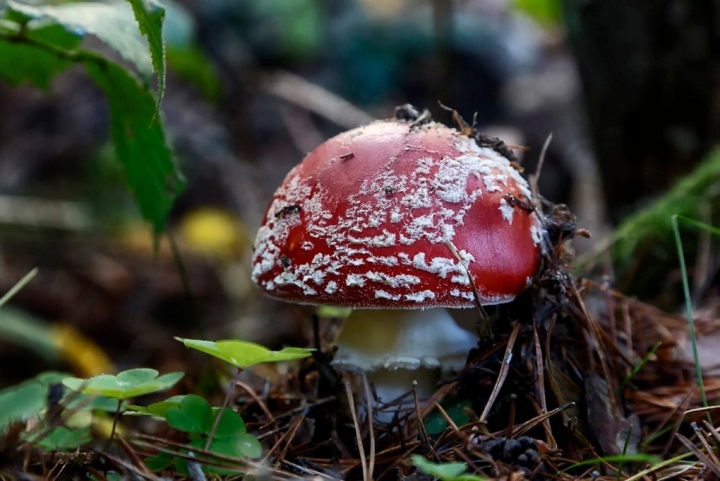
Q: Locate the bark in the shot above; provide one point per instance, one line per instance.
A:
(650, 71)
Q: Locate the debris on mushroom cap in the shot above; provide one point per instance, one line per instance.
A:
(367, 220)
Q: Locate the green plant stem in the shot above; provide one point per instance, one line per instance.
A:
(225, 404)
(21, 283)
(637, 368)
(688, 305)
(115, 421)
(185, 279)
(624, 453)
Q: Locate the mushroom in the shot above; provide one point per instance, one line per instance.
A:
(403, 215)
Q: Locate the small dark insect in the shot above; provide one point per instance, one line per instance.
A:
(285, 262)
(496, 144)
(390, 190)
(347, 156)
(288, 209)
(483, 140)
(54, 396)
(524, 204)
(413, 115)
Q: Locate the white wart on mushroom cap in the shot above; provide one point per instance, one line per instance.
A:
(364, 221)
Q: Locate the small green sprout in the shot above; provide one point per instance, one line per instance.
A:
(444, 471)
(127, 384)
(456, 408)
(242, 354)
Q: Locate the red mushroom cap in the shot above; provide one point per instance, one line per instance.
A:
(364, 221)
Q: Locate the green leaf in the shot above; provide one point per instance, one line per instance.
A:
(159, 462)
(113, 23)
(50, 33)
(249, 445)
(64, 439)
(243, 445)
(192, 415)
(125, 385)
(21, 402)
(84, 402)
(149, 15)
(243, 354)
(192, 64)
(158, 409)
(26, 399)
(444, 471)
(455, 408)
(135, 377)
(8, 27)
(230, 424)
(25, 64)
(545, 12)
(140, 143)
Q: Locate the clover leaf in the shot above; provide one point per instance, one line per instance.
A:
(125, 385)
(64, 439)
(192, 415)
(243, 354)
(195, 416)
(158, 409)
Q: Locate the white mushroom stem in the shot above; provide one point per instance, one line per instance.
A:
(397, 347)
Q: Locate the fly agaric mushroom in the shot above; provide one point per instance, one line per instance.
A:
(404, 215)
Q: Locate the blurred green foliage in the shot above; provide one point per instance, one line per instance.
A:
(39, 42)
(545, 12)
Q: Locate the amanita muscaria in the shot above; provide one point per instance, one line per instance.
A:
(377, 217)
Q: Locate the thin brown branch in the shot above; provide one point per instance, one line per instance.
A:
(358, 433)
(503, 372)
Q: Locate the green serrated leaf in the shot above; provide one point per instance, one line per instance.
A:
(192, 415)
(443, 471)
(230, 424)
(243, 354)
(140, 143)
(149, 15)
(113, 23)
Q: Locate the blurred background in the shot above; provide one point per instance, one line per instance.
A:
(629, 90)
